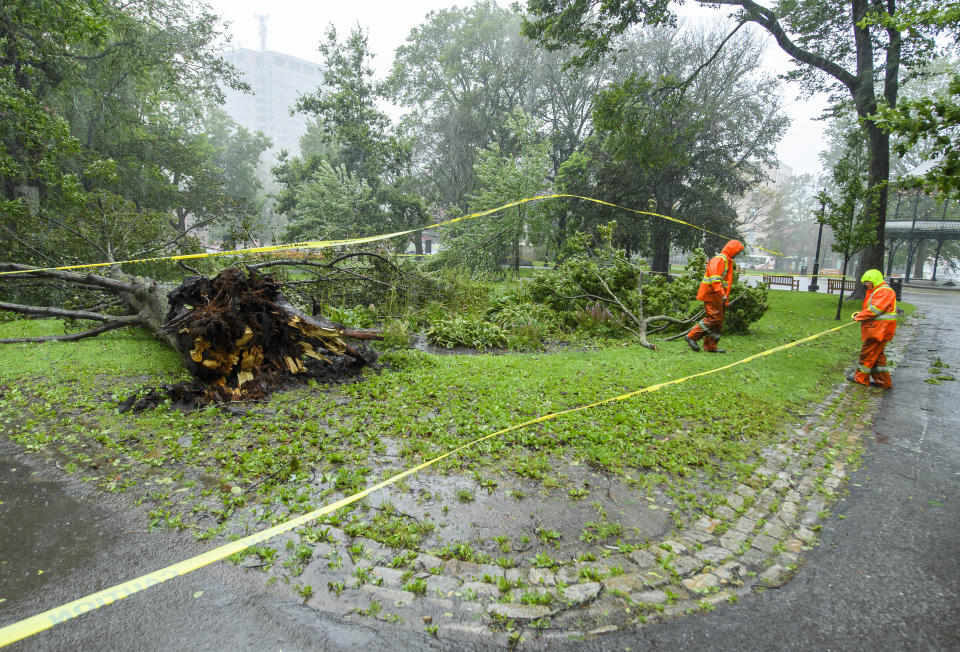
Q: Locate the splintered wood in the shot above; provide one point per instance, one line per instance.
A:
(242, 338)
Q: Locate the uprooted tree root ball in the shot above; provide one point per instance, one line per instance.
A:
(242, 339)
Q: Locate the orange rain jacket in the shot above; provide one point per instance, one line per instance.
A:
(878, 319)
(718, 278)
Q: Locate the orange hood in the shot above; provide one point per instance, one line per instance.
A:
(732, 248)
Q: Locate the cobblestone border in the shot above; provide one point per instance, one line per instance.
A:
(752, 543)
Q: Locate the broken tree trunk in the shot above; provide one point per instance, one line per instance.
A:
(144, 297)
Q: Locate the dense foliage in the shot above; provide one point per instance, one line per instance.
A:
(591, 270)
(597, 285)
(353, 177)
(840, 48)
(111, 146)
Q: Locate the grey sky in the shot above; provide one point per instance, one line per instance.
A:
(296, 27)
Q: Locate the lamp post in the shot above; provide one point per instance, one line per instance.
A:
(814, 287)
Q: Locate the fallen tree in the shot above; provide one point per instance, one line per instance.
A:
(238, 334)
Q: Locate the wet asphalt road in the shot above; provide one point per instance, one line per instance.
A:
(886, 575)
(84, 541)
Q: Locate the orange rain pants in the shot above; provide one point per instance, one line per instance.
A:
(710, 327)
(873, 364)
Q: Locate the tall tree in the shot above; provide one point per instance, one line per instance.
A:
(96, 126)
(463, 72)
(696, 122)
(847, 205)
(853, 49)
(354, 178)
(929, 122)
(501, 178)
(564, 101)
(932, 125)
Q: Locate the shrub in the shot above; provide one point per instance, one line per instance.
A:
(528, 335)
(514, 315)
(585, 263)
(661, 296)
(598, 319)
(356, 317)
(748, 308)
(679, 297)
(457, 288)
(527, 323)
(466, 331)
(428, 314)
(396, 335)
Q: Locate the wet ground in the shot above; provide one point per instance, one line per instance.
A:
(886, 574)
(61, 541)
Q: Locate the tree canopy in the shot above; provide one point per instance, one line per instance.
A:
(854, 50)
(104, 153)
(354, 175)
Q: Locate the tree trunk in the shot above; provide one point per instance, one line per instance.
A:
(146, 298)
(561, 234)
(919, 259)
(878, 148)
(863, 91)
(660, 241)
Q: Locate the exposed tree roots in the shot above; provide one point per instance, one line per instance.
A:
(241, 339)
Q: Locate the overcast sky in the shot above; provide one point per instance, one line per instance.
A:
(296, 27)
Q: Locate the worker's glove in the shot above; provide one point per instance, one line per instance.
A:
(726, 299)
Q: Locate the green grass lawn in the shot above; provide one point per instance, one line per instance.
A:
(306, 447)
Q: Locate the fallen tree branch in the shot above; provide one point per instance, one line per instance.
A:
(188, 268)
(689, 321)
(133, 320)
(92, 280)
(641, 324)
(46, 311)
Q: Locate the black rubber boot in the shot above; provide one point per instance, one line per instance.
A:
(717, 351)
(691, 343)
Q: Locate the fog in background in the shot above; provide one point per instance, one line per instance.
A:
(296, 27)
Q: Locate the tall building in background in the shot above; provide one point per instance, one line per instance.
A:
(277, 79)
(754, 207)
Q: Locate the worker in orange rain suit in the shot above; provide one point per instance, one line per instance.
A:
(715, 293)
(878, 323)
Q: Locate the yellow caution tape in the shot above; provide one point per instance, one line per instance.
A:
(323, 244)
(47, 619)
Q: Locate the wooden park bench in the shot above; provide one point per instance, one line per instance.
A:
(849, 285)
(786, 281)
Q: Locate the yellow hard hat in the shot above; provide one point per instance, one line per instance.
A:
(872, 275)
